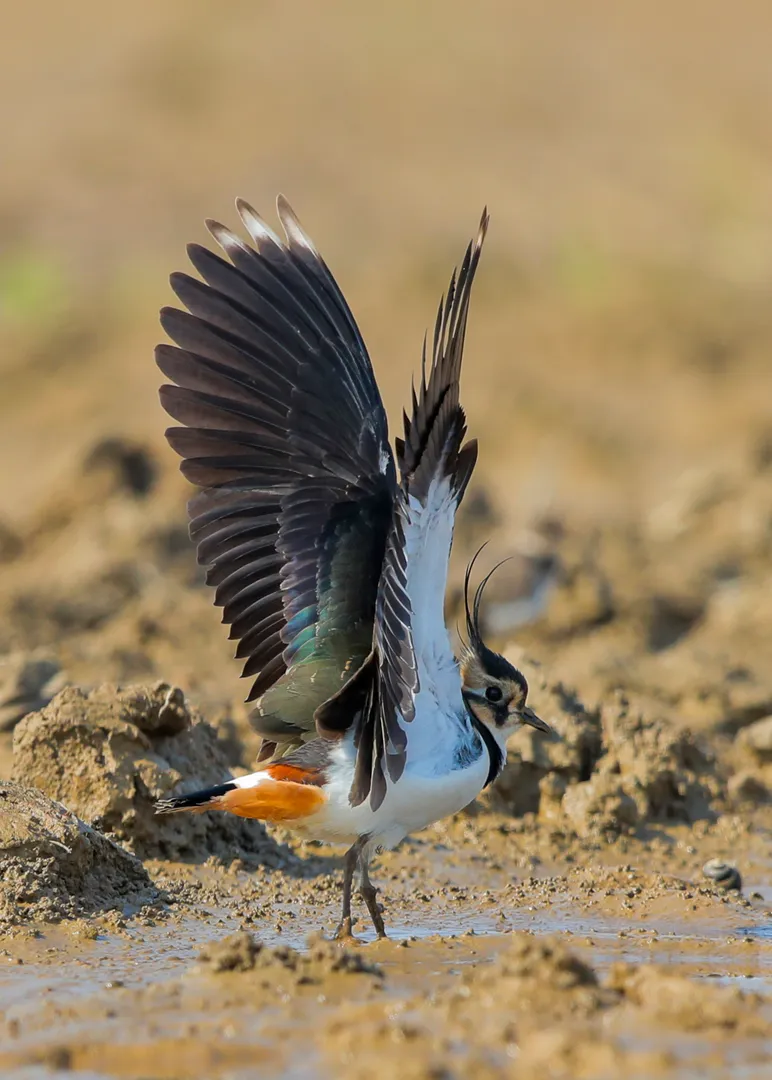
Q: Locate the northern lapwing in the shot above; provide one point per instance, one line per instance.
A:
(329, 553)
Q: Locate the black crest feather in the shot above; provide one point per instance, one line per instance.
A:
(492, 662)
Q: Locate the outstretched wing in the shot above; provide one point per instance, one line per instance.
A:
(412, 658)
(285, 433)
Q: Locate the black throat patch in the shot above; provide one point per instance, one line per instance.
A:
(495, 755)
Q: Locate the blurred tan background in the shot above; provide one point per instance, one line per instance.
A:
(619, 359)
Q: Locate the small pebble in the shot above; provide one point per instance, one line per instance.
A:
(724, 874)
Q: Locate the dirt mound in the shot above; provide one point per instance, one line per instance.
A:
(665, 769)
(689, 1006)
(54, 866)
(243, 952)
(110, 753)
(649, 771)
(538, 975)
(608, 769)
(544, 959)
(750, 757)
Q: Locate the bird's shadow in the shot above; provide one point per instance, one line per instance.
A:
(306, 865)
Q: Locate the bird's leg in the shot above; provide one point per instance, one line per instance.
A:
(349, 867)
(369, 894)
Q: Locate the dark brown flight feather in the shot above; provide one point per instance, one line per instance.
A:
(284, 431)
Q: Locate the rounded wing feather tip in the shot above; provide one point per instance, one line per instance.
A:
(167, 317)
(216, 228)
(295, 232)
(194, 251)
(180, 283)
(170, 435)
(255, 226)
(225, 237)
(160, 353)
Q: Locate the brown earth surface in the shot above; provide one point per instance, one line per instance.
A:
(619, 376)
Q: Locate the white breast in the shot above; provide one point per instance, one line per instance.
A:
(421, 796)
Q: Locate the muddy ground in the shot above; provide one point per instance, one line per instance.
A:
(619, 377)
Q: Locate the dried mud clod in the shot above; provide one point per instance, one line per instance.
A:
(756, 739)
(609, 770)
(110, 753)
(539, 975)
(666, 770)
(750, 756)
(243, 952)
(687, 1005)
(54, 866)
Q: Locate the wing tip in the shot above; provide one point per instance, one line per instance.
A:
(222, 235)
(255, 226)
(438, 400)
(482, 230)
(295, 233)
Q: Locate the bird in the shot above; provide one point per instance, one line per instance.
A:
(328, 550)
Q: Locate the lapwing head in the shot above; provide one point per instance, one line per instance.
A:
(494, 690)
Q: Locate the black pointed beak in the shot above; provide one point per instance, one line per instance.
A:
(529, 717)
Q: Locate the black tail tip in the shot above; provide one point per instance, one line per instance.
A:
(197, 800)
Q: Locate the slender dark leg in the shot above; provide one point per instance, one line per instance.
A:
(349, 867)
(369, 894)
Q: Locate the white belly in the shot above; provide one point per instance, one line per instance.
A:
(419, 797)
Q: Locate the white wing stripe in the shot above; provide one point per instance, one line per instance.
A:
(428, 536)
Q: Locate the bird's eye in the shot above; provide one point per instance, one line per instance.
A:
(493, 693)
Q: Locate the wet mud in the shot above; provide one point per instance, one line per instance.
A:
(598, 970)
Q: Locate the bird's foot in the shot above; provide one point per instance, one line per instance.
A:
(344, 931)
